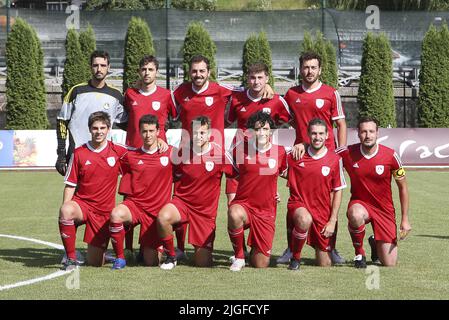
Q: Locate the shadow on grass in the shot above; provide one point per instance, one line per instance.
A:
(432, 236)
(32, 257)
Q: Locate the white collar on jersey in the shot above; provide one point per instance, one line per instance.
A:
(250, 97)
(312, 90)
(209, 147)
(89, 146)
(204, 88)
(261, 150)
(148, 93)
(149, 151)
(369, 156)
(317, 156)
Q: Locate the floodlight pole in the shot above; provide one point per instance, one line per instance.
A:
(8, 6)
(167, 53)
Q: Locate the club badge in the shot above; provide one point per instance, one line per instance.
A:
(325, 170)
(319, 103)
(156, 105)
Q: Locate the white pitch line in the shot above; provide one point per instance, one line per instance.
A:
(44, 278)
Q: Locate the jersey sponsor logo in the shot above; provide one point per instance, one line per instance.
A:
(111, 161)
(209, 166)
(319, 103)
(325, 170)
(356, 165)
(156, 105)
(271, 163)
(140, 162)
(164, 161)
(106, 106)
(266, 110)
(243, 109)
(134, 103)
(379, 169)
(87, 163)
(209, 101)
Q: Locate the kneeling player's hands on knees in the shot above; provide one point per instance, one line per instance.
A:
(404, 230)
(328, 230)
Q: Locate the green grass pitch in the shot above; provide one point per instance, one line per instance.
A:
(29, 203)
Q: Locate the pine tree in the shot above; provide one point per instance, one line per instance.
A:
(74, 62)
(88, 45)
(26, 107)
(138, 42)
(375, 94)
(257, 49)
(198, 42)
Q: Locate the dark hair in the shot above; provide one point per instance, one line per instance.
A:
(197, 59)
(364, 119)
(262, 118)
(316, 122)
(146, 59)
(258, 67)
(149, 119)
(309, 55)
(100, 54)
(99, 116)
(202, 120)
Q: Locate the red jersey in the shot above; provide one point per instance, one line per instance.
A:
(243, 106)
(151, 178)
(258, 172)
(199, 180)
(371, 175)
(323, 102)
(311, 180)
(95, 173)
(211, 102)
(159, 102)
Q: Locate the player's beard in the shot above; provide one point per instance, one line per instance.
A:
(369, 145)
(311, 81)
(99, 76)
(317, 147)
(201, 83)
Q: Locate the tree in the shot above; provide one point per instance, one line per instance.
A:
(138, 42)
(204, 5)
(257, 49)
(88, 45)
(26, 107)
(433, 106)
(375, 94)
(74, 62)
(198, 42)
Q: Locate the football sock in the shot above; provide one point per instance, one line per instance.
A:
(357, 236)
(290, 226)
(169, 246)
(237, 237)
(181, 236)
(117, 236)
(67, 231)
(298, 239)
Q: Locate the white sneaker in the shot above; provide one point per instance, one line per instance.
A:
(285, 258)
(336, 257)
(237, 265)
(232, 258)
(79, 258)
(180, 255)
(169, 263)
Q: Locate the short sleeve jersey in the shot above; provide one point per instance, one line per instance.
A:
(311, 181)
(95, 173)
(159, 102)
(151, 178)
(258, 172)
(323, 102)
(82, 100)
(199, 180)
(371, 175)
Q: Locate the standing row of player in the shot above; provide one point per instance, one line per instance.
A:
(202, 97)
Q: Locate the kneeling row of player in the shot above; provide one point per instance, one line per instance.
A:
(315, 183)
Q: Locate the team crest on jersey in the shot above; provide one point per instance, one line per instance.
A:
(111, 161)
(319, 103)
(209, 166)
(209, 101)
(266, 110)
(271, 163)
(325, 170)
(164, 161)
(106, 106)
(379, 169)
(156, 105)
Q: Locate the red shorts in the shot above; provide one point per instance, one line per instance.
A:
(261, 229)
(148, 236)
(231, 185)
(97, 225)
(384, 223)
(315, 238)
(201, 228)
